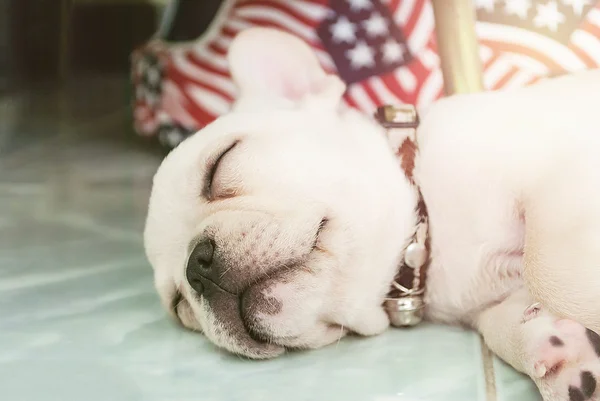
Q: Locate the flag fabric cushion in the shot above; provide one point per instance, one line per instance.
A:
(383, 49)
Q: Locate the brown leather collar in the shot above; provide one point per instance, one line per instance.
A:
(405, 301)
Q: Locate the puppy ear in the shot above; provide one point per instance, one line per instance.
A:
(266, 62)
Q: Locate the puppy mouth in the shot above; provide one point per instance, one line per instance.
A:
(238, 312)
(226, 308)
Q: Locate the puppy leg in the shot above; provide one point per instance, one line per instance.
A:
(562, 241)
(560, 355)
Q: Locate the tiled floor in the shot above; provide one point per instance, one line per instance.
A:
(79, 319)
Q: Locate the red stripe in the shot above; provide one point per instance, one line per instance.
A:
(194, 110)
(393, 5)
(589, 62)
(200, 63)
(218, 50)
(390, 81)
(279, 5)
(526, 51)
(505, 79)
(182, 79)
(229, 32)
(440, 93)
(491, 61)
(592, 29)
(371, 93)
(419, 71)
(321, 2)
(416, 13)
(272, 24)
(350, 101)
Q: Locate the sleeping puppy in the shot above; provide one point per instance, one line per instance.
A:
(282, 224)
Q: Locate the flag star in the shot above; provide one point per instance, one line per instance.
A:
(361, 56)
(343, 31)
(519, 8)
(549, 16)
(330, 13)
(376, 25)
(487, 5)
(358, 5)
(392, 52)
(578, 5)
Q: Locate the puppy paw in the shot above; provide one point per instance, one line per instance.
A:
(567, 363)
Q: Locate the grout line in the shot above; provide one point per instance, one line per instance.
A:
(488, 372)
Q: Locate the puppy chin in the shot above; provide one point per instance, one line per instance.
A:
(232, 335)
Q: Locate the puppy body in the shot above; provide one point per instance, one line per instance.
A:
(308, 216)
(491, 164)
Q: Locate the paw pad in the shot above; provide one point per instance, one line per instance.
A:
(587, 389)
(594, 340)
(557, 342)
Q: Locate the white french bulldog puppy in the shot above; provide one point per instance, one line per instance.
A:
(282, 224)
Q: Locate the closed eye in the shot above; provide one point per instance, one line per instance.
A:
(211, 171)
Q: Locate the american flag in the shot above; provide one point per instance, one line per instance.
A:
(383, 49)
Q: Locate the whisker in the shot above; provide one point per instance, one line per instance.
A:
(341, 335)
(225, 272)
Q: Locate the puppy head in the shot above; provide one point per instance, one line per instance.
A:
(281, 224)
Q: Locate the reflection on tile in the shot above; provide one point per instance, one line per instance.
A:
(140, 356)
(511, 385)
(80, 319)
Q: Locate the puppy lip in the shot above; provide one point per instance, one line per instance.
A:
(225, 307)
(270, 351)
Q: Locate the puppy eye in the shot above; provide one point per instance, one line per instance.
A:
(211, 171)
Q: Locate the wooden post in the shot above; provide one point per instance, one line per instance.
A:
(458, 46)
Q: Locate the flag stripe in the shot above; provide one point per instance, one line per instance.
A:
(430, 90)
(417, 11)
(406, 79)
(361, 99)
(277, 9)
(172, 105)
(423, 30)
(210, 61)
(182, 71)
(313, 12)
(587, 46)
(404, 11)
(211, 101)
(264, 16)
(527, 63)
(393, 84)
(393, 5)
(503, 80)
(495, 72)
(511, 39)
(521, 78)
(375, 99)
(383, 93)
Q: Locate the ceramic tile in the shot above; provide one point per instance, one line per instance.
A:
(511, 385)
(80, 320)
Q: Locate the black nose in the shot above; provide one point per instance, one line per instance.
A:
(200, 264)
